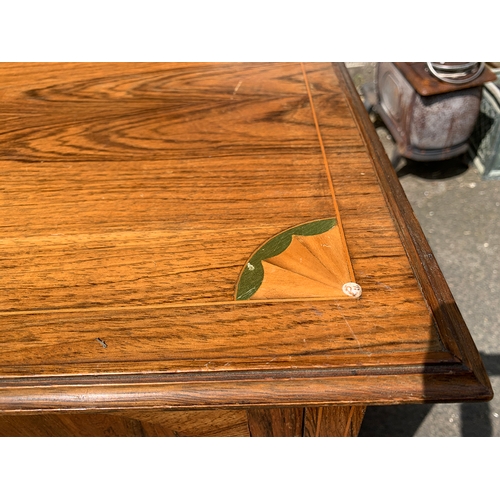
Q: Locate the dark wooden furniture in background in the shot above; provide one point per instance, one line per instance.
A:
(132, 198)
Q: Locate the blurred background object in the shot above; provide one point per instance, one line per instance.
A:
(485, 140)
(430, 108)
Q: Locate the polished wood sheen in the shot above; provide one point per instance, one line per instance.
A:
(132, 197)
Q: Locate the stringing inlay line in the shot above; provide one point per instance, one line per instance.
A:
(105, 309)
(328, 175)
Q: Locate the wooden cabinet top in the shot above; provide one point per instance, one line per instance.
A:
(178, 236)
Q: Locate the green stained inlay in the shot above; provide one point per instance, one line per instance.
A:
(253, 273)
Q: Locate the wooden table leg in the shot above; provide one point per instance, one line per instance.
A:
(276, 422)
(333, 421)
(325, 421)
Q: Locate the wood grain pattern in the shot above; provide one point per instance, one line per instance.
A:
(219, 337)
(276, 422)
(211, 423)
(131, 196)
(160, 111)
(333, 421)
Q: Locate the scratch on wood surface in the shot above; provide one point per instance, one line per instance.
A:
(348, 325)
(237, 87)
(386, 287)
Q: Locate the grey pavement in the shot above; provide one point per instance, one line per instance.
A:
(459, 212)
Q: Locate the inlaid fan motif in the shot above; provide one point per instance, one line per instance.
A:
(305, 261)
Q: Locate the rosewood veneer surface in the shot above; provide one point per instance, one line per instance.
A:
(132, 197)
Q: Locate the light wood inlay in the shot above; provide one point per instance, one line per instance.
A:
(312, 266)
(302, 262)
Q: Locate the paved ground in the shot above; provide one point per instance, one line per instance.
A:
(459, 212)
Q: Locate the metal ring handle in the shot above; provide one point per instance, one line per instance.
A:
(456, 82)
(454, 67)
